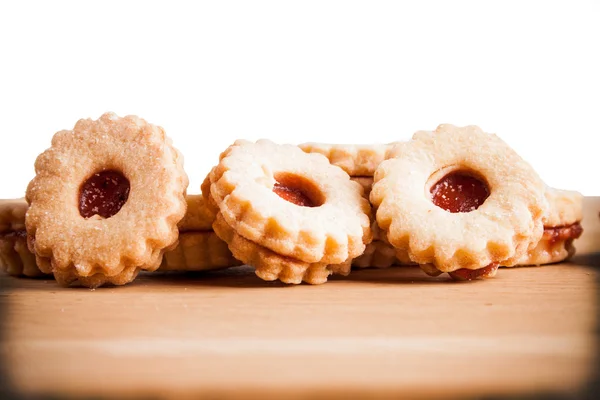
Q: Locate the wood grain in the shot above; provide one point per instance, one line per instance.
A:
(377, 333)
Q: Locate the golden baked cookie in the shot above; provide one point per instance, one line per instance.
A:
(198, 251)
(105, 201)
(198, 217)
(562, 225)
(355, 159)
(296, 205)
(459, 198)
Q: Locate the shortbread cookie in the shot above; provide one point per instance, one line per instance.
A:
(12, 215)
(198, 217)
(562, 225)
(295, 204)
(105, 201)
(459, 198)
(198, 251)
(271, 266)
(355, 159)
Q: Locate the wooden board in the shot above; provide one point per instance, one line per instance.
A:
(378, 333)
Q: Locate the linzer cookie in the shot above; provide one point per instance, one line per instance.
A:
(15, 258)
(355, 159)
(291, 215)
(105, 201)
(460, 200)
(562, 225)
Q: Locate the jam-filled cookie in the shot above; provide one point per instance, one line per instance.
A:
(291, 215)
(105, 201)
(459, 200)
(562, 225)
(15, 257)
(356, 159)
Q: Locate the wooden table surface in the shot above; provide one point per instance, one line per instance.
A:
(377, 333)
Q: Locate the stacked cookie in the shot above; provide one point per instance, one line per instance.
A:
(291, 215)
(109, 200)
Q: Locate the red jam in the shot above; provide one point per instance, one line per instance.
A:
(103, 194)
(293, 195)
(459, 193)
(465, 274)
(561, 233)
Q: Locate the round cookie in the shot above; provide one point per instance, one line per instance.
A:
(459, 198)
(105, 201)
(296, 205)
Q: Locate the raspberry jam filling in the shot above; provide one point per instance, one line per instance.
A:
(561, 233)
(465, 274)
(103, 194)
(458, 192)
(297, 190)
(292, 195)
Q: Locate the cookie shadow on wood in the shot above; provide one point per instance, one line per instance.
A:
(588, 259)
(234, 277)
(394, 275)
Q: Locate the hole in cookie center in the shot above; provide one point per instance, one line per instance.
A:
(297, 190)
(459, 192)
(103, 194)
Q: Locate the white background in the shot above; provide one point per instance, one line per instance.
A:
(347, 72)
